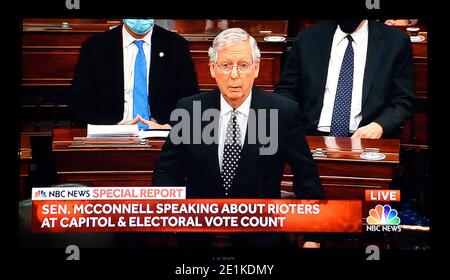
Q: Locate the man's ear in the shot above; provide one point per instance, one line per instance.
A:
(256, 69)
(211, 69)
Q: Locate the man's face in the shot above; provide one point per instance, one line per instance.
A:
(235, 86)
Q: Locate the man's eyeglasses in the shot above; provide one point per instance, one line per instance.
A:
(226, 68)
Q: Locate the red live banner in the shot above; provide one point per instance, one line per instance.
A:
(197, 215)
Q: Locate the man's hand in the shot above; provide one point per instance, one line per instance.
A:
(153, 125)
(133, 121)
(372, 131)
(397, 22)
(310, 244)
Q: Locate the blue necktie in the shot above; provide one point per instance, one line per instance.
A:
(343, 101)
(140, 90)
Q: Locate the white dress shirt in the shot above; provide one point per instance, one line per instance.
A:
(360, 41)
(242, 113)
(130, 51)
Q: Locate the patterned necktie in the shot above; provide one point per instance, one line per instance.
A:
(140, 89)
(342, 104)
(231, 152)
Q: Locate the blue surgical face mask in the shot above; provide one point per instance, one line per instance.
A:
(139, 26)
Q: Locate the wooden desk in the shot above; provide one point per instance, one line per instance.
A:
(343, 173)
(103, 166)
(25, 164)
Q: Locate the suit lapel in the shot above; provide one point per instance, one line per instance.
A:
(374, 50)
(117, 78)
(210, 151)
(323, 59)
(158, 53)
(249, 152)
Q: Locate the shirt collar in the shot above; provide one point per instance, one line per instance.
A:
(128, 39)
(358, 36)
(244, 108)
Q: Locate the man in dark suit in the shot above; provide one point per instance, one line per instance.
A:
(365, 59)
(232, 166)
(106, 79)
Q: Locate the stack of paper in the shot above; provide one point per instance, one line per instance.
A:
(112, 131)
(154, 133)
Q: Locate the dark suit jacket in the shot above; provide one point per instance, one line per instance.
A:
(388, 87)
(196, 166)
(98, 84)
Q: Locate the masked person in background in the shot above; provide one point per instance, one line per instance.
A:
(351, 78)
(132, 74)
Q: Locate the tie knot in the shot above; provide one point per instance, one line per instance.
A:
(349, 38)
(139, 44)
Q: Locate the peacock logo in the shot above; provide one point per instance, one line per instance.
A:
(39, 194)
(383, 215)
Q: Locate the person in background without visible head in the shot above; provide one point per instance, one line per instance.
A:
(351, 78)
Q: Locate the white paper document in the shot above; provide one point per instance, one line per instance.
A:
(154, 133)
(112, 131)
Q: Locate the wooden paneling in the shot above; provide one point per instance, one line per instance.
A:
(50, 53)
(421, 77)
(25, 164)
(55, 68)
(416, 130)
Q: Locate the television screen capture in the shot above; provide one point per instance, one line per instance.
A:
(211, 144)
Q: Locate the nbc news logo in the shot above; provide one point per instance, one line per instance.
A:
(383, 218)
(40, 193)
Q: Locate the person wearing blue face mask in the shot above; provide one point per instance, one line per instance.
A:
(132, 74)
(139, 26)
